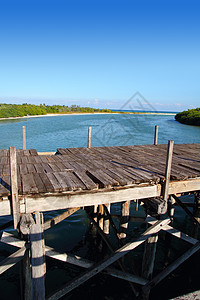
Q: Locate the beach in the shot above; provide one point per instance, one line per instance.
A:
(94, 113)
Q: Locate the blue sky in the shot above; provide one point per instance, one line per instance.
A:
(99, 53)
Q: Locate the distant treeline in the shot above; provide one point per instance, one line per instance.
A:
(21, 110)
(189, 117)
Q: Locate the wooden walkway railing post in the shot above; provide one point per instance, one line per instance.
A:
(168, 169)
(24, 137)
(89, 136)
(156, 135)
(14, 186)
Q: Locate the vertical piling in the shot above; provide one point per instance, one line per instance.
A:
(89, 136)
(125, 207)
(37, 258)
(156, 135)
(168, 169)
(171, 208)
(14, 186)
(101, 216)
(106, 220)
(24, 137)
(196, 212)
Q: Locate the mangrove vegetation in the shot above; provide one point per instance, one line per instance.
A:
(21, 110)
(189, 117)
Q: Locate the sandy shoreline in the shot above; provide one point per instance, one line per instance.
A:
(95, 113)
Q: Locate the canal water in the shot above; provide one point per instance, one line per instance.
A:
(75, 234)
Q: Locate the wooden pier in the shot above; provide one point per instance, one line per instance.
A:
(93, 179)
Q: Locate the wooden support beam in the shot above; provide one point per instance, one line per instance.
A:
(24, 137)
(156, 135)
(196, 213)
(10, 239)
(171, 208)
(171, 268)
(149, 256)
(52, 222)
(113, 225)
(89, 136)
(108, 261)
(106, 225)
(106, 240)
(37, 258)
(26, 276)
(125, 208)
(14, 187)
(181, 204)
(100, 217)
(175, 232)
(148, 261)
(168, 170)
(11, 260)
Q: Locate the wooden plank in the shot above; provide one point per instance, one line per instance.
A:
(33, 152)
(108, 261)
(72, 200)
(55, 183)
(39, 168)
(23, 169)
(14, 186)
(31, 168)
(47, 168)
(47, 183)
(39, 183)
(87, 181)
(28, 184)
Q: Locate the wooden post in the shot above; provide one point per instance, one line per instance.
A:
(171, 208)
(156, 135)
(89, 136)
(148, 261)
(24, 137)
(14, 186)
(26, 276)
(125, 207)
(168, 169)
(95, 212)
(101, 216)
(37, 258)
(106, 220)
(26, 222)
(196, 213)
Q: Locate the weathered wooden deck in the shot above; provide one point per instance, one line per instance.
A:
(105, 174)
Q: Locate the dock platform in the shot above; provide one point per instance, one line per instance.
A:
(92, 179)
(77, 177)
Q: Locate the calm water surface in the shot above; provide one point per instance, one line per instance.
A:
(74, 234)
(50, 133)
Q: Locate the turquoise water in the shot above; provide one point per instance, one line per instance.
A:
(50, 133)
(74, 234)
